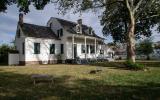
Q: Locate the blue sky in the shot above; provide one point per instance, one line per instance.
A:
(8, 21)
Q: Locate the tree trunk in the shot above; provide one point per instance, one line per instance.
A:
(131, 40)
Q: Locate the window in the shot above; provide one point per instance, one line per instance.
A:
(90, 31)
(52, 49)
(78, 29)
(101, 51)
(36, 48)
(60, 32)
(87, 48)
(83, 48)
(23, 48)
(92, 49)
(62, 49)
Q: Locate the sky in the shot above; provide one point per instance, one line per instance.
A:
(8, 21)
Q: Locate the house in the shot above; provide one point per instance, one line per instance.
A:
(59, 40)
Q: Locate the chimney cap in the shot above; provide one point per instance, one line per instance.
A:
(20, 18)
(79, 21)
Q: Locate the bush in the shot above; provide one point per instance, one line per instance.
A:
(4, 50)
(134, 66)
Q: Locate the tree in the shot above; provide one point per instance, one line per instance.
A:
(125, 20)
(145, 47)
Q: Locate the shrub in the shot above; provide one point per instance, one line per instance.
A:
(134, 66)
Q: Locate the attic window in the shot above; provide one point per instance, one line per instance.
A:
(78, 29)
(60, 32)
(90, 31)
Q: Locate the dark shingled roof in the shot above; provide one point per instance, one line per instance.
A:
(37, 31)
(84, 33)
(71, 24)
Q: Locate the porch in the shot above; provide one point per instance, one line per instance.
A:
(84, 47)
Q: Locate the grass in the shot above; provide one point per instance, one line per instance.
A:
(73, 82)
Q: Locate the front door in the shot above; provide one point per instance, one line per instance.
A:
(75, 51)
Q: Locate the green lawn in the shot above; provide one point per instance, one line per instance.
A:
(73, 82)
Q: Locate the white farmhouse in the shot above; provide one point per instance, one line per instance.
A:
(60, 40)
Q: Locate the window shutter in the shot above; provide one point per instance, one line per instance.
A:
(62, 48)
(87, 48)
(23, 47)
(61, 32)
(58, 33)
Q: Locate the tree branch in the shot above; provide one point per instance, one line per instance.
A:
(151, 17)
(127, 4)
(137, 6)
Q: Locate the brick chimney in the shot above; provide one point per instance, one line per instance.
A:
(79, 21)
(20, 19)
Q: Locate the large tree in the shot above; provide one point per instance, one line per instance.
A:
(125, 20)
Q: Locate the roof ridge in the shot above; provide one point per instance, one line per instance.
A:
(70, 21)
(36, 25)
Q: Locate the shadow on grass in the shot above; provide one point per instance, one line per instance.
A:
(20, 87)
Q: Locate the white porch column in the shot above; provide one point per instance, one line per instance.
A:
(95, 47)
(72, 46)
(85, 47)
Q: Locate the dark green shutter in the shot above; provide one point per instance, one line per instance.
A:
(62, 49)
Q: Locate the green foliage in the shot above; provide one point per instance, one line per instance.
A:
(134, 66)
(86, 4)
(4, 50)
(145, 47)
(23, 4)
(116, 19)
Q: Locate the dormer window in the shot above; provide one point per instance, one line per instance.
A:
(60, 32)
(79, 26)
(90, 31)
(78, 29)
